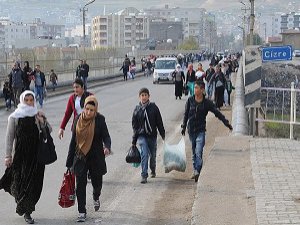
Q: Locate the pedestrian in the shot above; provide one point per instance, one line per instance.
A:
(229, 88)
(219, 82)
(196, 110)
(89, 145)
(200, 74)
(53, 79)
(39, 84)
(125, 67)
(210, 90)
(146, 120)
(7, 95)
(24, 175)
(179, 78)
(75, 105)
(82, 72)
(190, 79)
(16, 84)
(27, 73)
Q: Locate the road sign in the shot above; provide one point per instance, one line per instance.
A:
(277, 53)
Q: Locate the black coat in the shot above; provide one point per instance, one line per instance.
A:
(195, 115)
(155, 120)
(96, 155)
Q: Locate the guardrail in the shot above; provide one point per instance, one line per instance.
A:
(280, 106)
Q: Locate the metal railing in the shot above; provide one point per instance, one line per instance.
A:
(279, 105)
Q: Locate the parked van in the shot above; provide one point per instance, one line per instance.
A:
(163, 69)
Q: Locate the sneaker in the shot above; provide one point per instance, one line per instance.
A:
(28, 218)
(96, 205)
(144, 180)
(153, 174)
(196, 176)
(81, 217)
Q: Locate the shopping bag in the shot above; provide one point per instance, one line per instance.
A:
(174, 157)
(133, 155)
(66, 197)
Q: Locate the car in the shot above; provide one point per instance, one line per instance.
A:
(163, 69)
(296, 53)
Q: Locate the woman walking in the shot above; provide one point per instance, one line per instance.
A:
(27, 75)
(190, 79)
(89, 145)
(24, 175)
(179, 78)
(218, 80)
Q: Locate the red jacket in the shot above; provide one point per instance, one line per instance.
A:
(71, 109)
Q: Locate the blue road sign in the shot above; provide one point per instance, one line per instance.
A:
(278, 53)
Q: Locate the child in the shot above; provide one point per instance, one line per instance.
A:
(7, 95)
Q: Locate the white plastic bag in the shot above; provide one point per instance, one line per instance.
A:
(174, 157)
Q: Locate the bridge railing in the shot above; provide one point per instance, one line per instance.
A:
(279, 105)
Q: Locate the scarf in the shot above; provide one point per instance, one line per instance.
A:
(147, 125)
(85, 129)
(24, 110)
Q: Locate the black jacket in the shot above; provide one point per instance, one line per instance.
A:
(195, 115)
(155, 120)
(96, 154)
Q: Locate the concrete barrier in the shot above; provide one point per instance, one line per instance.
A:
(239, 114)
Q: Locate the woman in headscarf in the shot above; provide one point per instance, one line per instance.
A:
(24, 175)
(27, 75)
(219, 82)
(179, 78)
(89, 145)
(190, 79)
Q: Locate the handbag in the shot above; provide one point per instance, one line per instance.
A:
(46, 149)
(133, 155)
(66, 197)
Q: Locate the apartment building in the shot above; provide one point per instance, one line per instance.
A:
(126, 28)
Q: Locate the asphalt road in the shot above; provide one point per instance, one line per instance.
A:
(167, 199)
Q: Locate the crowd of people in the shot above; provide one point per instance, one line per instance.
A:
(90, 142)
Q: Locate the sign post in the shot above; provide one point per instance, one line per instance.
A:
(277, 53)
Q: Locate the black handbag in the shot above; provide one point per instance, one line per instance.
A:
(133, 155)
(46, 149)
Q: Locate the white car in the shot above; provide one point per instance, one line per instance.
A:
(163, 69)
(296, 53)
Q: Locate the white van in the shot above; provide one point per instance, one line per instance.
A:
(163, 69)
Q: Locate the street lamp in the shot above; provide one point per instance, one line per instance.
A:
(83, 10)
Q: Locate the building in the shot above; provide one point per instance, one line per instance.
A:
(125, 28)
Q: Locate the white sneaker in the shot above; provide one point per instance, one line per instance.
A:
(81, 217)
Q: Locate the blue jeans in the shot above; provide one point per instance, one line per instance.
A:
(148, 147)
(39, 94)
(198, 142)
(84, 79)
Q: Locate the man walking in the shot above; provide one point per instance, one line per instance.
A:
(82, 72)
(196, 110)
(39, 84)
(16, 85)
(146, 120)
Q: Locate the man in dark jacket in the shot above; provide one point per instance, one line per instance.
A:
(39, 84)
(196, 110)
(82, 72)
(146, 120)
(16, 85)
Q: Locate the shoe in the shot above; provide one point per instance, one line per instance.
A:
(96, 205)
(180, 97)
(81, 217)
(144, 180)
(196, 176)
(153, 174)
(176, 97)
(28, 218)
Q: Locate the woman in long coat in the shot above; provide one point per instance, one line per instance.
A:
(219, 82)
(24, 175)
(179, 78)
(89, 145)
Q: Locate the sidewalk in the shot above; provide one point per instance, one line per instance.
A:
(249, 181)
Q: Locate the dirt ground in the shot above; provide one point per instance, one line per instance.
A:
(175, 205)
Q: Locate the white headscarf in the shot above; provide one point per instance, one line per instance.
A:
(178, 67)
(24, 110)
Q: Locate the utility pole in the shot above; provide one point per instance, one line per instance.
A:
(245, 9)
(252, 17)
(83, 10)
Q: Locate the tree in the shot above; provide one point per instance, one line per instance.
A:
(189, 44)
